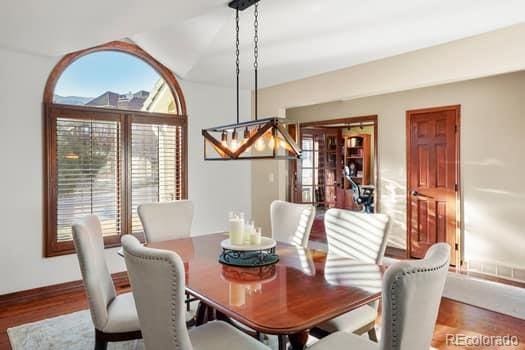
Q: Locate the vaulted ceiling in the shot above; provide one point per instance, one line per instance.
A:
(298, 38)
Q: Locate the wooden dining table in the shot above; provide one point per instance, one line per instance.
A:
(303, 289)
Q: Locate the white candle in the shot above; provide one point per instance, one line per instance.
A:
(256, 237)
(249, 229)
(237, 231)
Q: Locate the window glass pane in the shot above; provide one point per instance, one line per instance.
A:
(156, 163)
(307, 194)
(88, 162)
(307, 176)
(109, 79)
(307, 143)
(307, 159)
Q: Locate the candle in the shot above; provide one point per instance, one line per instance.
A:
(256, 237)
(249, 230)
(237, 231)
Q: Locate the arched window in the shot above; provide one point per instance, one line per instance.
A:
(115, 130)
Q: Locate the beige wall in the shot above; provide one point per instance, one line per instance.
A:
(492, 123)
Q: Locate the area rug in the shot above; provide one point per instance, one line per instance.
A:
(74, 332)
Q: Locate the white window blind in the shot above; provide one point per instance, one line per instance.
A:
(156, 166)
(88, 174)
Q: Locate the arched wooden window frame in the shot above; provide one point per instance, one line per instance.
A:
(51, 247)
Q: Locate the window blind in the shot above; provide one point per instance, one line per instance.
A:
(88, 174)
(107, 163)
(156, 166)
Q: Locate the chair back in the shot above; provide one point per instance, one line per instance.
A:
(167, 220)
(157, 280)
(412, 292)
(100, 290)
(356, 235)
(356, 189)
(292, 222)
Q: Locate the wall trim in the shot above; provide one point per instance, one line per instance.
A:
(120, 279)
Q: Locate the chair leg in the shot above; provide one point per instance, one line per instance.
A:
(282, 341)
(100, 344)
(372, 335)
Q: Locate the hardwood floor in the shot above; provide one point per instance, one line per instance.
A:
(458, 318)
(453, 318)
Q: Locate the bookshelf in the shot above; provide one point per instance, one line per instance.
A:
(357, 158)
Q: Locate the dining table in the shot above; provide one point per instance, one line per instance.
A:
(305, 288)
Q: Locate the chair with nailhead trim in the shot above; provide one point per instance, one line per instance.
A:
(157, 279)
(114, 316)
(411, 296)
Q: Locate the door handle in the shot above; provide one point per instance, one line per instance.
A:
(417, 194)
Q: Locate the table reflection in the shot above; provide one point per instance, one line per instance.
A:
(342, 271)
(306, 260)
(245, 281)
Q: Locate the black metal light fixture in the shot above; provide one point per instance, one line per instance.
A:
(268, 138)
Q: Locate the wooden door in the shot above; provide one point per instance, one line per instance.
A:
(433, 179)
(333, 166)
(309, 169)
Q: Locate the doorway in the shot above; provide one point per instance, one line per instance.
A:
(319, 178)
(433, 184)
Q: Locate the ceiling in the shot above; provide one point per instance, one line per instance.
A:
(298, 38)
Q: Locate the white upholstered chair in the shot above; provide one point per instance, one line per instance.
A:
(114, 316)
(362, 237)
(161, 309)
(411, 296)
(167, 220)
(292, 222)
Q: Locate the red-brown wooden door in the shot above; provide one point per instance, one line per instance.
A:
(433, 179)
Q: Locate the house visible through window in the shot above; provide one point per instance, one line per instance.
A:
(116, 138)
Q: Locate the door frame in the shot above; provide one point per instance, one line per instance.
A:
(347, 120)
(459, 196)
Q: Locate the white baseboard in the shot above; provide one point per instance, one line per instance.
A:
(494, 269)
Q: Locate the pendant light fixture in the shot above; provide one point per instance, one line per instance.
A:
(267, 138)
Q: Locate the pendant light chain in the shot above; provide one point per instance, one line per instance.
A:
(259, 139)
(237, 61)
(256, 52)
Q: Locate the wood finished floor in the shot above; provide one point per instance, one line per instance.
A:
(453, 318)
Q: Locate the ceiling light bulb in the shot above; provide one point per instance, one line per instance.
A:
(234, 145)
(247, 135)
(270, 139)
(259, 144)
(271, 142)
(224, 138)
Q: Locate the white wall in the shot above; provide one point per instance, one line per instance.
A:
(216, 188)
